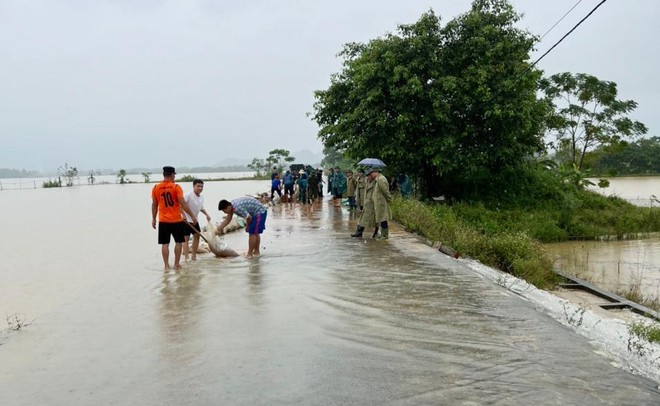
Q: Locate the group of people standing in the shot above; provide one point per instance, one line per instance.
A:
(304, 188)
(368, 193)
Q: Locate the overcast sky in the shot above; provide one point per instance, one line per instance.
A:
(143, 83)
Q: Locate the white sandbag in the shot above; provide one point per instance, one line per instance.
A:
(219, 248)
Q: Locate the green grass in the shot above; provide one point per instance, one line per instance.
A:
(586, 215)
(645, 331)
(511, 251)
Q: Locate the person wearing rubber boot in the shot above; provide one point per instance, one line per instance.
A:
(382, 199)
(359, 193)
(368, 215)
(339, 184)
(377, 203)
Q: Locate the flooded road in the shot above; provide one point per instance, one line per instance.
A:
(319, 318)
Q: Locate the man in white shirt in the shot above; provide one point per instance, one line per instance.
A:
(196, 204)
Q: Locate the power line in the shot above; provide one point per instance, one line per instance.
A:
(560, 20)
(567, 34)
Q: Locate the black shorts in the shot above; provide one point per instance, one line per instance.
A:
(187, 230)
(173, 229)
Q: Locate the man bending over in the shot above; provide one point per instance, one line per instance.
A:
(254, 214)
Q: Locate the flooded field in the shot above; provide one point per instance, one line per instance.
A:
(617, 265)
(319, 318)
(612, 265)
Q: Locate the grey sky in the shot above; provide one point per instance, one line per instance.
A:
(132, 83)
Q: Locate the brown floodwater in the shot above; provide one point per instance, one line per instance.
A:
(618, 266)
(319, 318)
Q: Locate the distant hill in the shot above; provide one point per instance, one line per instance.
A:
(304, 156)
(308, 157)
(18, 173)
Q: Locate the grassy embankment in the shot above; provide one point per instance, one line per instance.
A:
(510, 239)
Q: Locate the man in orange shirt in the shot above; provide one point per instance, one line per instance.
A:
(167, 201)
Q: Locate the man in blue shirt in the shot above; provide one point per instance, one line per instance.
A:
(288, 186)
(275, 186)
(254, 214)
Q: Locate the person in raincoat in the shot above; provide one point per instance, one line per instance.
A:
(377, 211)
(368, 215)
(331, 178)
(339, 183)
(405, 186)
(359, 193)
(312, 187)
(351, 189)
(302, 187)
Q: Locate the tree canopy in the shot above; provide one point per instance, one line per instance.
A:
(276, 158)
(623, 158)
(587, 115)
(449, 105)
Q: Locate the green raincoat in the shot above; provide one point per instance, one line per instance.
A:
(382, 198)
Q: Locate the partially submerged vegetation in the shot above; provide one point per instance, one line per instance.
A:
(634, 294)
(509, 236)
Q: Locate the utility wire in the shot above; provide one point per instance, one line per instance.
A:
(567, 34)
(560, 20)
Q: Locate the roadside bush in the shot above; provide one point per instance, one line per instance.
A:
(51, 183)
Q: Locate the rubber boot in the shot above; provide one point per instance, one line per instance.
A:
(385, 233)
(358, 232)
(375, 234)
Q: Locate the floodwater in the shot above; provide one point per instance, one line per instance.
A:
(320, 318)
(83, 179)
(638, 190)
(617, 266)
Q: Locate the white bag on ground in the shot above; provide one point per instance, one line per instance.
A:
(219, 248)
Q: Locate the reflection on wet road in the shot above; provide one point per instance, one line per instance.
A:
(319, 318)
(322, 318)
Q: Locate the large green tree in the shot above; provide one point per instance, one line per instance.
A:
(587, 115)
(279, 157)
(449, 105)
(260, 166)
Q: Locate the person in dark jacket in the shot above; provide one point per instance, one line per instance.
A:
(288, 186)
